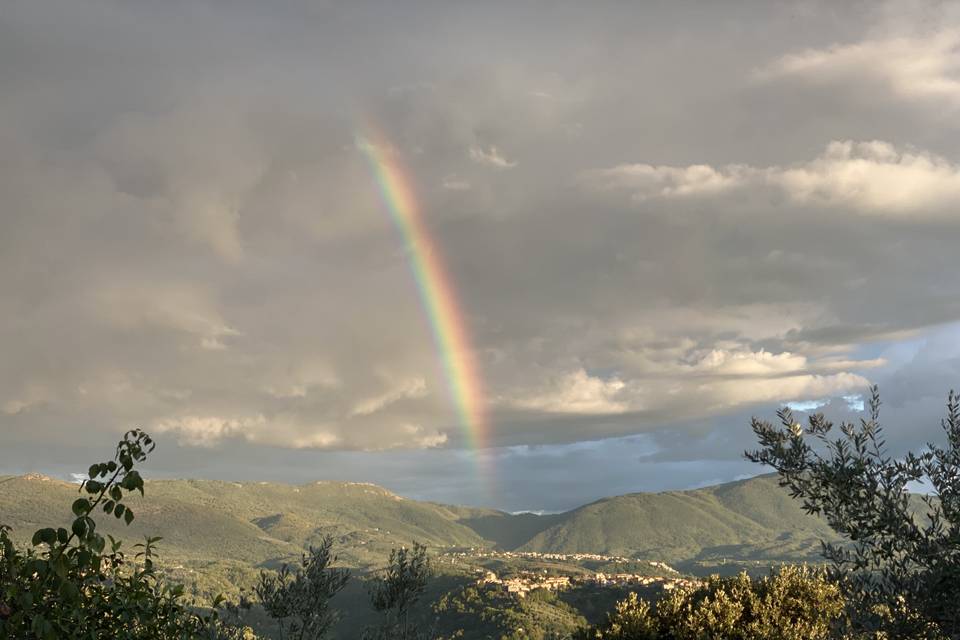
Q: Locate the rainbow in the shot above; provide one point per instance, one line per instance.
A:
(437, 294)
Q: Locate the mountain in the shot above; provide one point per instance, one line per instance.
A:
(255, 523)
(746, 520)
(218, 536)
(259, 524)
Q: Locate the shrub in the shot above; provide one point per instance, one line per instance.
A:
(397, 589)
(65, 585)
(300, 600)
(900, 569)
(796, 603)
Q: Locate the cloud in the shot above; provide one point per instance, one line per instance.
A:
(753, 364)
(686, 385)
(647, 181)
(577, 392)
(31, 396)
(912, 68)
(415, 388)
(179, 307)
(207, 431)
(452, 183)
(423, 438)
(208, 251)
(491, 157)
(872, 178)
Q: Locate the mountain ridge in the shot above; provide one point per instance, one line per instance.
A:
(265, 522)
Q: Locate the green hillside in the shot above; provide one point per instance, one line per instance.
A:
(261, 524)
(752, 519)
(217, 536)
(253, 523)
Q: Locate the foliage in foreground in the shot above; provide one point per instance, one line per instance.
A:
(900, 569)
(396, 590)
(299, 600)
(795, 603)
(489, 611)
(69, 584)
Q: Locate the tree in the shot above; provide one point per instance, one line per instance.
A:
(900, 566)
(66, 585)
(398, 588)
(300, 600)
(795, 603)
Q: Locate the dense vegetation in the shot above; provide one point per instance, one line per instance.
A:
(396, 590)
(70, 583)
(488, 611)
(899, 566)
(793, 604)
(299, 599)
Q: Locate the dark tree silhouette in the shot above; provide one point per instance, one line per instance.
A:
(900, 566)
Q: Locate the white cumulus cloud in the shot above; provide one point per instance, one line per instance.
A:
(872, 177)
(913, 68)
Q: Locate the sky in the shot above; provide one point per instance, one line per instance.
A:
(658, 219)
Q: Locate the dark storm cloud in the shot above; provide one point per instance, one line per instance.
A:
(660, 218)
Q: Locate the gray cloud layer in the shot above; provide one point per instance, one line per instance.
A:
(659, 218)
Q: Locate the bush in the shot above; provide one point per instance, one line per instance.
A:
(795, 603)
(67, 586)
(300, 600)
(900, 568)
(394, 592)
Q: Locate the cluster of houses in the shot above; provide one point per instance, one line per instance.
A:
(667, 583)
(520, 585)
(560, 557)
(523, 583)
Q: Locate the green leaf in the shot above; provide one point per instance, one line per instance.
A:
(119, 511)
(79, 527)
(128, 516)
(80, 507)
(85, 558)
(108, 506)
(69, 591)
(137, 481)
(48, 536)
(93, 486)
(38, 623)
(60, 565)
(62, 535)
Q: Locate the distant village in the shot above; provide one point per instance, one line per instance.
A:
(522, 584)
(526, 581)
(473, 552)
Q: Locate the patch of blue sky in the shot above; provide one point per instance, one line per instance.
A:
(807, 406)
(854, 402)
